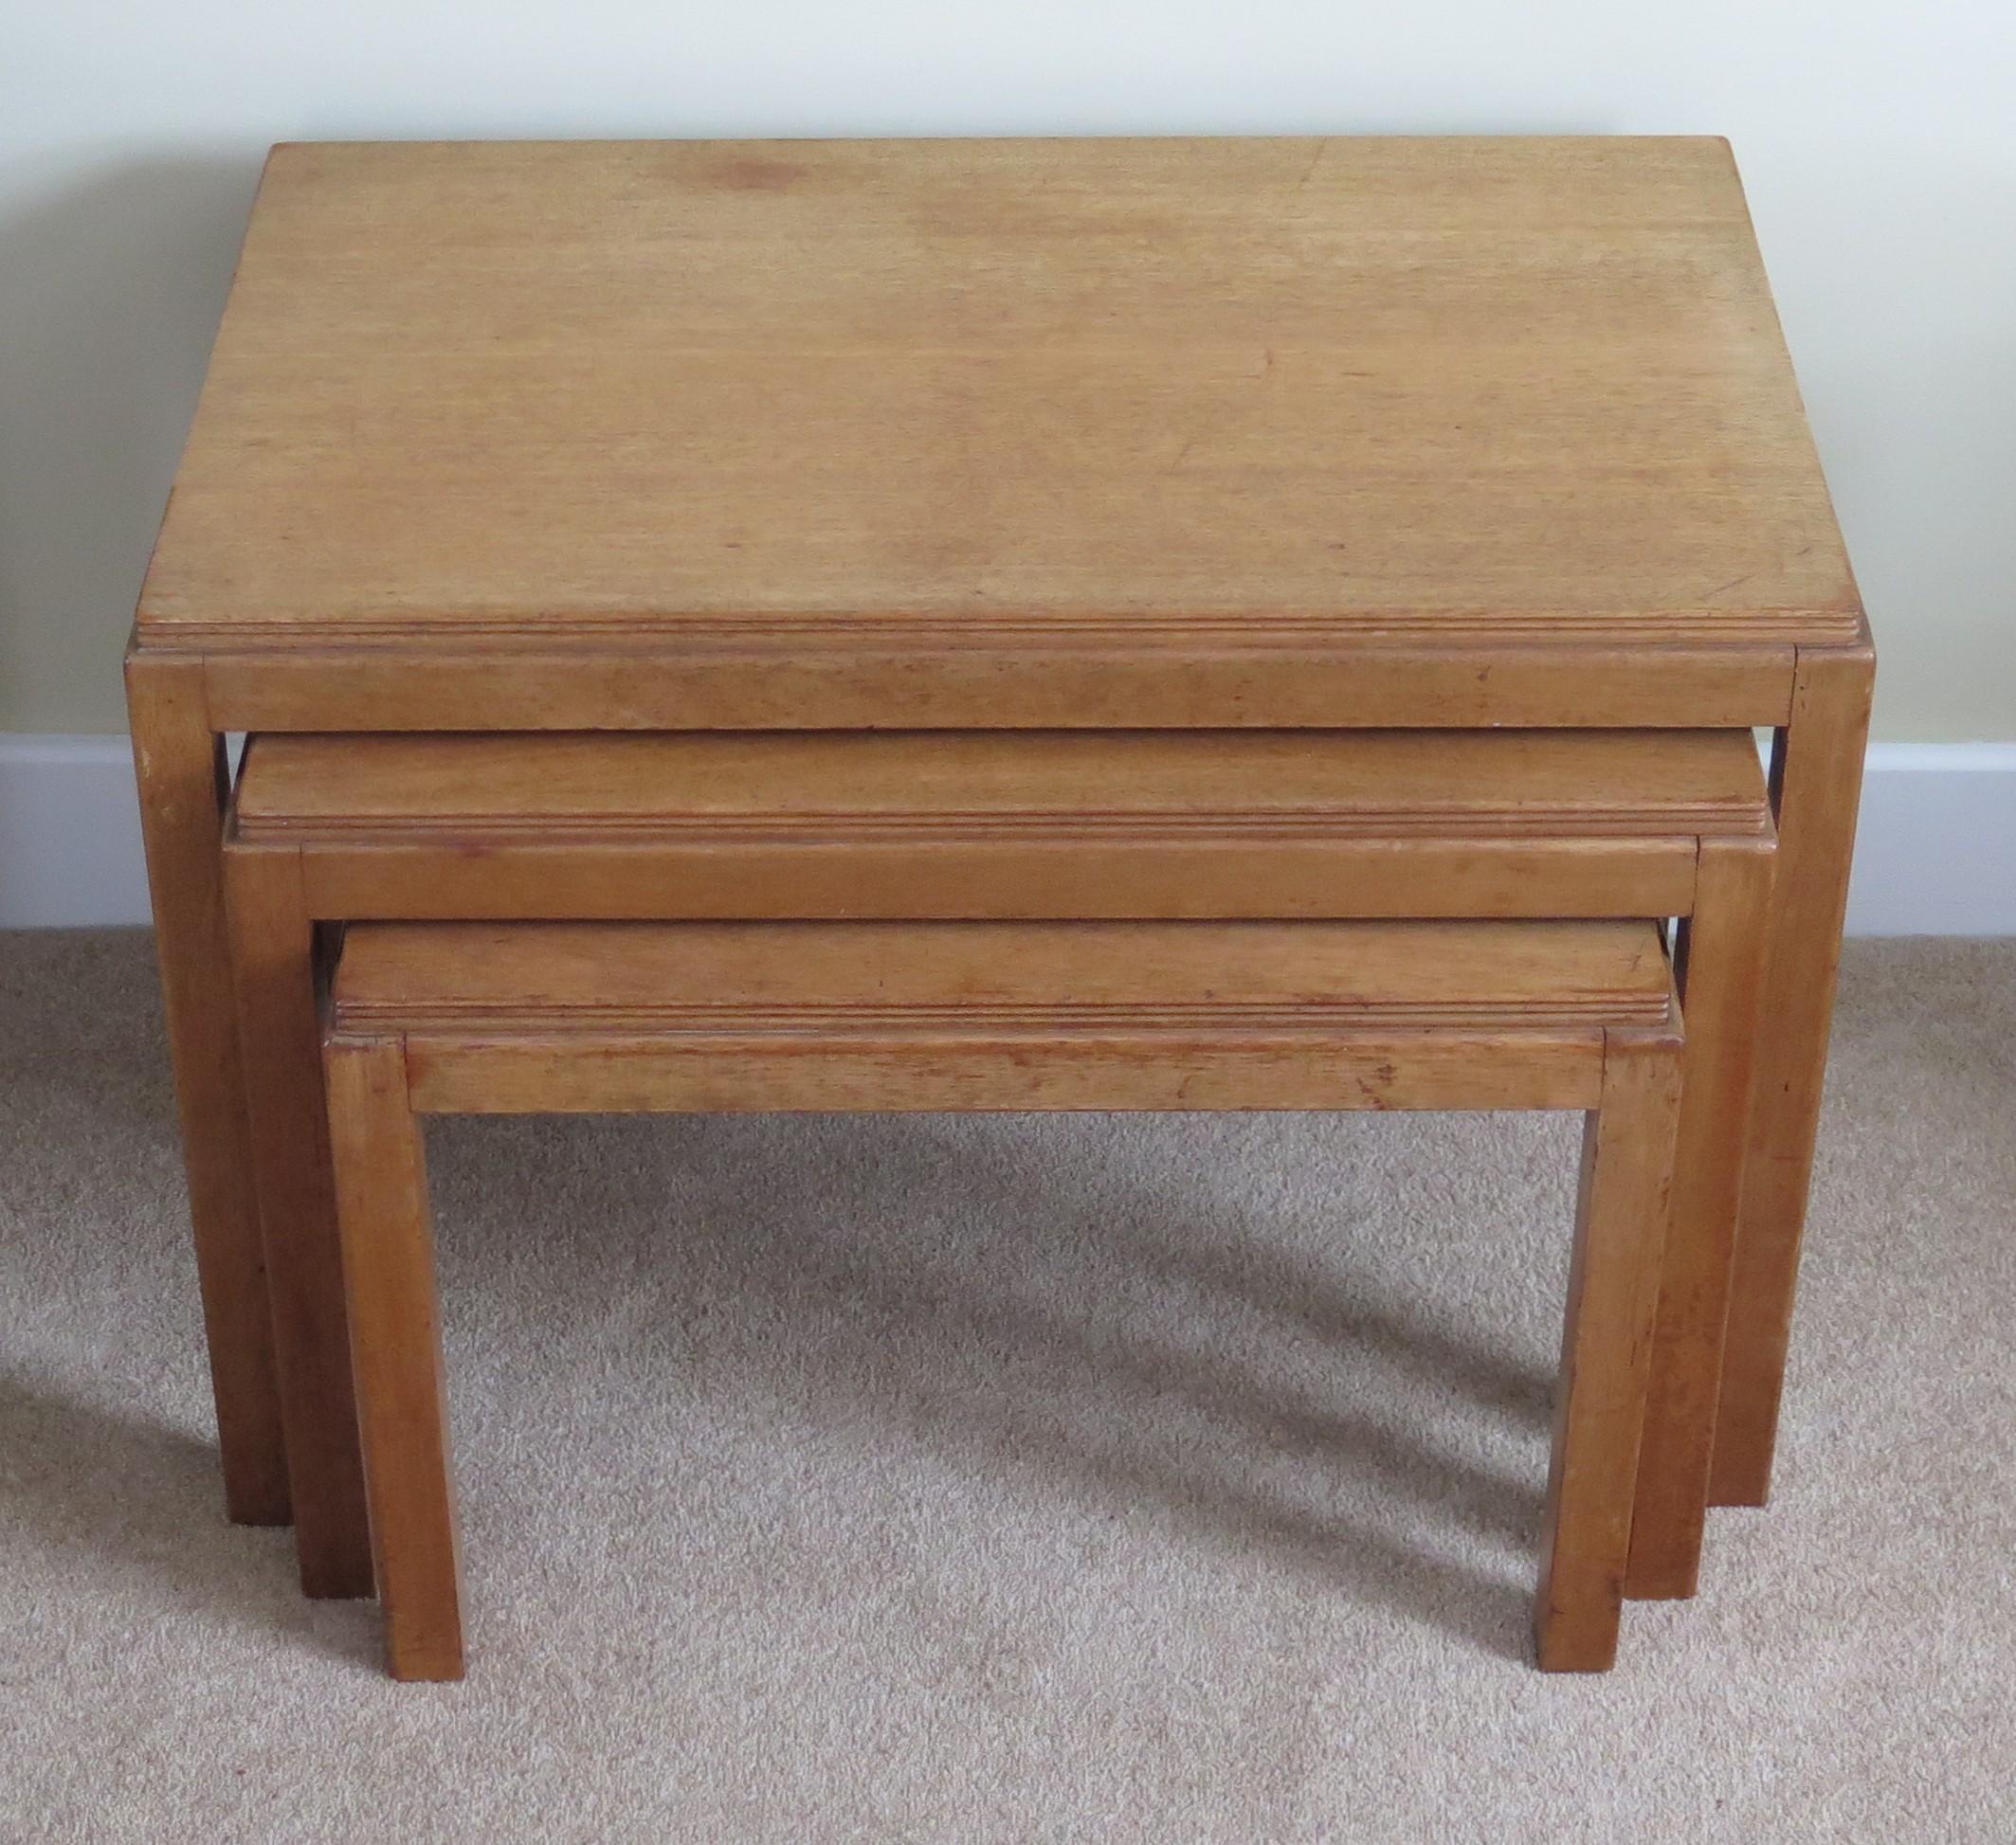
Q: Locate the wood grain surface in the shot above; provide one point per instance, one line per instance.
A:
(1194, 394)
(545, 1017)
(789, 977)
(857, 788)
(999, 825)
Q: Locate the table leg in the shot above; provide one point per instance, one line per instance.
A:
(279, 1027)
(1720, 966)
(179, 763)
(1816, 784)
(1606, 1353)
(396, 1317)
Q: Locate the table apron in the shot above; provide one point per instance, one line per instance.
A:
(1457, 875)
(363, 689)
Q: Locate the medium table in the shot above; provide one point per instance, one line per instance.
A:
(1285, 433)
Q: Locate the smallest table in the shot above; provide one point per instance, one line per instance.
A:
(531, 1018)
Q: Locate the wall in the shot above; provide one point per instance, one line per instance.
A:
(1879, 142)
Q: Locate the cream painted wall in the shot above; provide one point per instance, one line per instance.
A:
(1878, 141)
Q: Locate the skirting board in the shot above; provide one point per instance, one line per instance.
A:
(1936, 854)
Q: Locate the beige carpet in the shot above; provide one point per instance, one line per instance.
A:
(938, 1479)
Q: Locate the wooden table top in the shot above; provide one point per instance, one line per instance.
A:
(1151, 393)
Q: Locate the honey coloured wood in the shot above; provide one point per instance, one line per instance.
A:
(603, 683)
(843, 398)
(1721, 956)
(857, 788)
(1816, 777)
(180, 771)
(501, 436)
(1198, 824)
(786, 978)
(987, 1016)
(1004, 825)
(538, 1016)
(272, 950)
(402, 1394)
(1606, 1343)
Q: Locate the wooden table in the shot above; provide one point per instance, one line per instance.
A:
(1116, 434)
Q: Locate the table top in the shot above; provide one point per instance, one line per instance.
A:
(1146, 393)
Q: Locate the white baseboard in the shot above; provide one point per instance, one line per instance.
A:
(1935, 847)
(69, 833)
(1936, 854)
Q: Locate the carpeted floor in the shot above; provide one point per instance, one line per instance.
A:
(952, 1479)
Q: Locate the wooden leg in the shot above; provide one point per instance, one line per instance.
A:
(395, 1339)
(273, 957)
(1606, 1353)
(1816, 777)
(1721, 972)
(179, 765)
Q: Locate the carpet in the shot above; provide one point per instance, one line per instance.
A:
(1015, 1478)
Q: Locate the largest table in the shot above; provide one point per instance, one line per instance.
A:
(1097, 433)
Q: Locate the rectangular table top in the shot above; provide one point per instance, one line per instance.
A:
(1150, 394)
